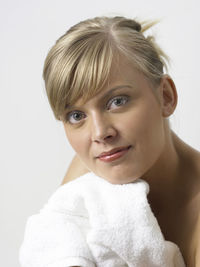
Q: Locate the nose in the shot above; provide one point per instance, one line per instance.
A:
(102, 129)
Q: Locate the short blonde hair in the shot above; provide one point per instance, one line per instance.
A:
(79, 63)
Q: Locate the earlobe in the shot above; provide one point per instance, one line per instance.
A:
(169, 96)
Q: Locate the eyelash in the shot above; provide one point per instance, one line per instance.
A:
(71, 113)
(119, 97)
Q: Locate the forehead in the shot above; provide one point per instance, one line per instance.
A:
(123, 76)
(105, 93)
(124, 71)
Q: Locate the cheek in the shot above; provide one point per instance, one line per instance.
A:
(144, 123)
(151, 135)
(77, 140)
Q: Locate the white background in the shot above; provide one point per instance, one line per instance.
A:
(34, 151)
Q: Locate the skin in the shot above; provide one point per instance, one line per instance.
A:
(157, 154)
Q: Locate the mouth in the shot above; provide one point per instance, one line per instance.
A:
(114, 154)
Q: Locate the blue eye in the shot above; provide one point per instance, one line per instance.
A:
(74, 117)
(118, 101)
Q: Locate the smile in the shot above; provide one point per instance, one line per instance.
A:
(114, 156)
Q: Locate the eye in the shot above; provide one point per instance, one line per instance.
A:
(75, 116)
(118, 101)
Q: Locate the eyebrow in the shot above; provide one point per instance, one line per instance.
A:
(109, 92)
(106, 95)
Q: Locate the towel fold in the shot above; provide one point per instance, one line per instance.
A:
(90, 222)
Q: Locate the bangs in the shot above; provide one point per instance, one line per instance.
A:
(84, 70)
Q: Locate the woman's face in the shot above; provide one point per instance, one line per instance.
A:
(126, 116)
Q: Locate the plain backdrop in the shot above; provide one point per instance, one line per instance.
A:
(34, 151)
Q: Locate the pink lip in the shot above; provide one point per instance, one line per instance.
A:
(113, 154)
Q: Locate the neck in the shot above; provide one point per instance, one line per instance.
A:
(164, 177)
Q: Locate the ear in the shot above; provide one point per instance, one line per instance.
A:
(168, 96)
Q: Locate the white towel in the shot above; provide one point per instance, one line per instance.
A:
(90, 222)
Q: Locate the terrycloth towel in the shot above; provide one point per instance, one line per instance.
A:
(90, 222)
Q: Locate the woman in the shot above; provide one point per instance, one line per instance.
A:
(105, 81)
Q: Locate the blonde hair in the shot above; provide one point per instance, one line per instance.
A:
(78, 65)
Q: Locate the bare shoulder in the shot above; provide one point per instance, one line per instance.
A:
(75, 169)
(191, 158)
(192, 208)
(196, 161)
(194, 174)
(197, 249)
(196, 157)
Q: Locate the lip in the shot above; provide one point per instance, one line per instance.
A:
(113, 153)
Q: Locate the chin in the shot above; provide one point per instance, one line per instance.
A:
(121, 181)
(118, 178)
